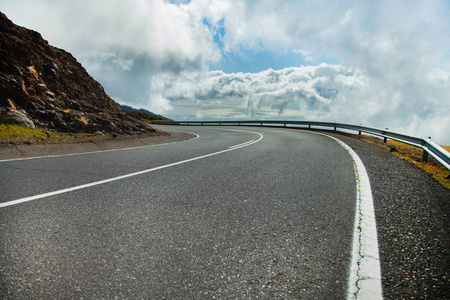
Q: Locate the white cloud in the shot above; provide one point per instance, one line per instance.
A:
(347, 18)
(325, 92)
(310, 88)
(162, 31)
(158, 103)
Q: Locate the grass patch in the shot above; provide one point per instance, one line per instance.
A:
(111, 102)
(414, 155)
(18, 134)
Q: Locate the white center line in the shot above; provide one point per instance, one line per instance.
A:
(241, 145)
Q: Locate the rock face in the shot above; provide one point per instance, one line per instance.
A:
(43, 86)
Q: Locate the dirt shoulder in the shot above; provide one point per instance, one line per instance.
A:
(11, 151)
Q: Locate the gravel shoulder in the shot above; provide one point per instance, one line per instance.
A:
(10, 151)
(412, 213)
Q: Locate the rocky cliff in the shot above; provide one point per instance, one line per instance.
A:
(43, 86)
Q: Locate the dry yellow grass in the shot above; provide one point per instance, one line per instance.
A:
(17, 134)
(414, 155)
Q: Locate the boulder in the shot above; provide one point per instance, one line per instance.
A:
(18, 117)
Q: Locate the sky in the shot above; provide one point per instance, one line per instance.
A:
(384, 64)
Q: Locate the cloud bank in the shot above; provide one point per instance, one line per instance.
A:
(325, 92)
(376, 63)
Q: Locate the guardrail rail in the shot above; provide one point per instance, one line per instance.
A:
(429, 147)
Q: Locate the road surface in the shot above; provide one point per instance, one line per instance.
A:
(235, 213)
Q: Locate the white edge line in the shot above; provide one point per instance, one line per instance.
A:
(98, 151)
(364, 280)
(31, 198)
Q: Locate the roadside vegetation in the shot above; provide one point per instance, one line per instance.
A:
(414, 155)
(146, 116)
(18, 134)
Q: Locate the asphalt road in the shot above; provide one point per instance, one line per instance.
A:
(220, 219)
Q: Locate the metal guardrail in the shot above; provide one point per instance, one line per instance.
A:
(429, 147)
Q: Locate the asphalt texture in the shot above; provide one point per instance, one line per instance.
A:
(271, 220)
(11, 151)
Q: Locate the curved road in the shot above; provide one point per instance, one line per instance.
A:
(234, 213)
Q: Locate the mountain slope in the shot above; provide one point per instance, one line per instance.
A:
(43, 86)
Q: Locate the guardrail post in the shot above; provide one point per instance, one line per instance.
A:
(359, 132)
(284, 124)
(425, 156)
(261, 124)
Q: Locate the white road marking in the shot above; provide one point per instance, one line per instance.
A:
(83, 186)
(241, 145)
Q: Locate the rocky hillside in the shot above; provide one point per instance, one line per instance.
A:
(43, 86)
